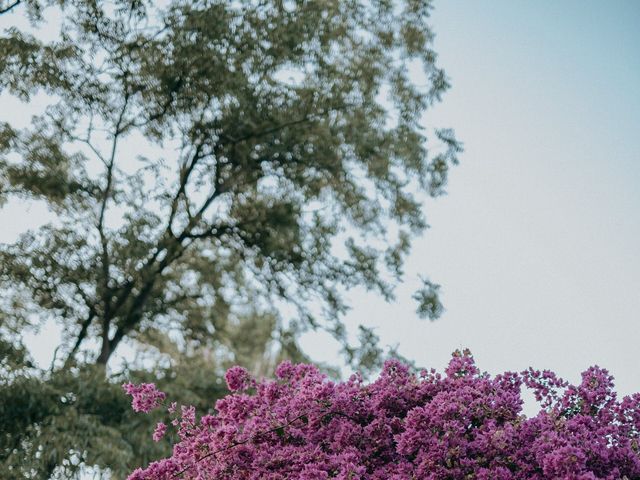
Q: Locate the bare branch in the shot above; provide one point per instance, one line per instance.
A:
(10, 7)
(87, 141)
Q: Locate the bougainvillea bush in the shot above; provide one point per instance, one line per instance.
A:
(462, 424)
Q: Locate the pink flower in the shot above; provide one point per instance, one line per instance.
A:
(146, 396)
(463, 424)
(237, 378)
(159, 432)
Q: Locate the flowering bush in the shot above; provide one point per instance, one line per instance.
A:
(461, 425)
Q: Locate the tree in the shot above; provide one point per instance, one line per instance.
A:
(219, 173)
(211, 160)
(405, 425)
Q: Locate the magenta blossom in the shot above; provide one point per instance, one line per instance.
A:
(146, 396)
(408, 426)
(159, 432)
(237, 378)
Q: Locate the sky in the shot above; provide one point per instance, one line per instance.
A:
(537, 243)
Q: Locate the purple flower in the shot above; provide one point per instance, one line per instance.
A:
(237, 378)
(146, 396)
(159, 432)
(463, 424)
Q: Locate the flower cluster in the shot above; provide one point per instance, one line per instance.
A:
(238, 378)
(159, 432)
(457, 425)
(146, 396)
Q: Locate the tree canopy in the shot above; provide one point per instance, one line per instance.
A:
(219, 174)
(211, 160)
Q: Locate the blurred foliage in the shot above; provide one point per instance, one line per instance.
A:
(55, 423)
(212, 160)
(220, 173)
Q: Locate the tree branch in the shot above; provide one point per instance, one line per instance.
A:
(10, 7)
(172, 245)
(185, 173)
(213, 232)
(134, 314)
(93, 148)
(106, 294)
(282, 126)
(81, 336)
(164, 108)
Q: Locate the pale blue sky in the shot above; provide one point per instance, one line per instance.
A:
(537, 243)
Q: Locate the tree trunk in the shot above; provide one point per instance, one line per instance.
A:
(105, 350)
